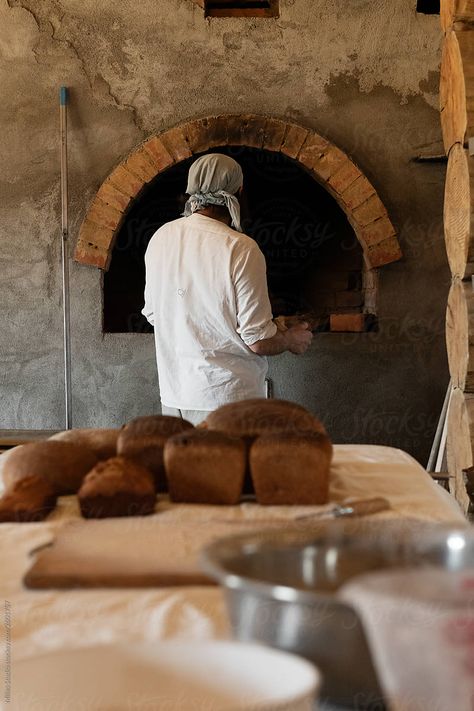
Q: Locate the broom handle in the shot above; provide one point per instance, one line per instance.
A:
(65, 257)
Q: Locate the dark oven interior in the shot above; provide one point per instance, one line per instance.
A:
(314, 260)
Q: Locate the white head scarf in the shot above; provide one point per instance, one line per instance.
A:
(213, 180)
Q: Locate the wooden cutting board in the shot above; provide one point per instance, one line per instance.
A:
(131, 552)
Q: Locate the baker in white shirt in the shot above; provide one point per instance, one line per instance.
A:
(206, 296)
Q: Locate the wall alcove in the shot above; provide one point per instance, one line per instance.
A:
(317, 218)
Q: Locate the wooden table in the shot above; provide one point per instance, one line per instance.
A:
(47, 620)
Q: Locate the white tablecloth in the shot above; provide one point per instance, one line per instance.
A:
(45, 620)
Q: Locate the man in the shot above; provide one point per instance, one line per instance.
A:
(206, 295)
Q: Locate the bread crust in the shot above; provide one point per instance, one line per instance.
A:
(143, 441)
(291, 468)
(205, 467)
(62, 464)
(27, 500)
(251, 418)
(117, 487)
(103, 442)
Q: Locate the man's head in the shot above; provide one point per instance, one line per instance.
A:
(215, 179)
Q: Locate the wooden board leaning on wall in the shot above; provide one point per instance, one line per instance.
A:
(454, 11)
(456, 88)
(460, 335)
(460, 442)
(459, 212)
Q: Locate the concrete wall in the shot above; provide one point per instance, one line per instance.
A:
(364, 74)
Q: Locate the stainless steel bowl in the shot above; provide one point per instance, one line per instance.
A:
(280, 589)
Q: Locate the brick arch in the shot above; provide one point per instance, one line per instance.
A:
(330, 166)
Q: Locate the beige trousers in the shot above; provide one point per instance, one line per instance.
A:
(192, 416)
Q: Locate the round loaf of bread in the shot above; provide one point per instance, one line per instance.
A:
(205, 467)
(103, 442)
(117, 487)
(63, 464)
(29, 499)
(289, 468)
(251, 418)
(143, 441)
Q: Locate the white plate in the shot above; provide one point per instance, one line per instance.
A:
(164, 676)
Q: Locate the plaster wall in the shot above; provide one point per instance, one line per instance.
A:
(364, 74)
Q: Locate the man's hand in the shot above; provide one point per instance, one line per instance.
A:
(296, 339)
(299, 338)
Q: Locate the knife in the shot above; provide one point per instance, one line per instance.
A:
(361, 507)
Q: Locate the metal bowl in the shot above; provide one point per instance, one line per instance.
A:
(280, 588)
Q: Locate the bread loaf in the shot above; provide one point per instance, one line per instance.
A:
(143, 440)
(251, 418)
(291, 468)
(29, 499)
(103, 442)
(117, 487)
(62, 464)
(205, 467)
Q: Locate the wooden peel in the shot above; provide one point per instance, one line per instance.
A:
(142, 551)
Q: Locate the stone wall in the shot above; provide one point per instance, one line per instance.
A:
(363, 74)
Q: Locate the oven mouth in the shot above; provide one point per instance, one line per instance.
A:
(315, 263)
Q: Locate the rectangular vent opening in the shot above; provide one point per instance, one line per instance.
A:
(428, 7)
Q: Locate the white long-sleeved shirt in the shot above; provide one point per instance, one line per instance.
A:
(206, 295)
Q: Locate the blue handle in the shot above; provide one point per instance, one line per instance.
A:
(63, 95)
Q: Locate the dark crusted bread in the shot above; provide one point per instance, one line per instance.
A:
(103, 442)
(291, 468)
(117, 487)
(251, 418)
(205, 467)
(63, 464)
(143, 440)
(31, 498)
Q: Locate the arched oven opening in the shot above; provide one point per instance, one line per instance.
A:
(315, 263)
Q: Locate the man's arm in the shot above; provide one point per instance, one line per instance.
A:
(253, 309)
(147, 310)
(296, 340)
(254, 314)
